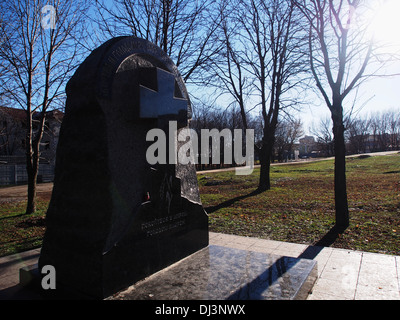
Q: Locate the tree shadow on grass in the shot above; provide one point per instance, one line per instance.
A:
(326, 241)
(229, 202)
(312, 251)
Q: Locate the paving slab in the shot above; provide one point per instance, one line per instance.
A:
(342, 274)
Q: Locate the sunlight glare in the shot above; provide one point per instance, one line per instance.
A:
(385, 25)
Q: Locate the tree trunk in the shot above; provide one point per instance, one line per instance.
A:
(341, 205)
(32, 165)
(32, 177)
(264, 182)
(31, 169)
(30, 206)
(265, 166)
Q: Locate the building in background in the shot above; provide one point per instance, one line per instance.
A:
(13, 145)
(307, 147)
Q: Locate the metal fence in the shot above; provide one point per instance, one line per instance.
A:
(16, 174)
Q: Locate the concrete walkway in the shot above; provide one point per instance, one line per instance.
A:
(342, 274)
(9, 275)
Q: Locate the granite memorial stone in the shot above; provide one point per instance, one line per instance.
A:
(113, 218)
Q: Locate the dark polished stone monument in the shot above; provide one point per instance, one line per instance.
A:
(220, 273)
(113, 218)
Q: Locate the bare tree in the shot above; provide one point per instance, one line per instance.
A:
(378, 131)
(375, 129)
(323, 133)
(262, 61)
(358, 135)
(184, 29)
(286, 133)
(394, 129)
(339, 53)
(385, 130)
(229, 73)
(39, 52)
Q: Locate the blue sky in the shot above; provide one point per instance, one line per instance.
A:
(376, 94)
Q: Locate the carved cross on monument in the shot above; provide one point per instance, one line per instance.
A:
(154, 104)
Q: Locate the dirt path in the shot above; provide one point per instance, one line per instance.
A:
(44, 190)
(383, 153)
(19, 193)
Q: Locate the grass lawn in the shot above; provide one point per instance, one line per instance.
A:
(300, 205)
(18, 231)
(299, 208)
